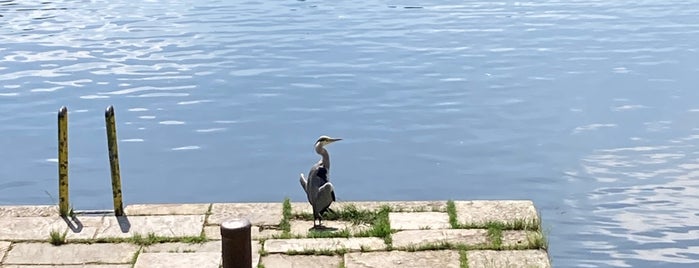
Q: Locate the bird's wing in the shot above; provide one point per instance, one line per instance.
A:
(304, 183)
(325, 197)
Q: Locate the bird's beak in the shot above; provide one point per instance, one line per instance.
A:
(334, 140)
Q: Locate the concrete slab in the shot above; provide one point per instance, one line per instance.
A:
(303, 227)
(214, 232)
(83, 227)
(508, 258)
(179, 260)
(30, 228)
(166, 226)
(4, 247)
(512, 238)
(483, 211)
(286, 261)
(28, 211)
(47, 254)
(255, 246)
(298, 245)
(166, 209)
(260, 214)
(397, 206)
(418, 259)
(419, 238)
(404, 206)
(418, 220)
(212, 246)
(71, 266)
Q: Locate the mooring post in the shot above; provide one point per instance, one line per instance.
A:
(114, 160)
(236, 249)
(63, 201)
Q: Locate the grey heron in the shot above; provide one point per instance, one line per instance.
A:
(319, 190)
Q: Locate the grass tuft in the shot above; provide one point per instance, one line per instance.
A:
(463, 259)
(495, 235)
(451, 211)
(57, 238)
(285, 224)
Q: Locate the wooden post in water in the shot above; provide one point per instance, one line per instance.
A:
(63, 200)
(236, 249)
(114, 160)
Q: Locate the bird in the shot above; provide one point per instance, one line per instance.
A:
(319, 190)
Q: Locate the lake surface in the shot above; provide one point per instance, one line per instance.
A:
(589, 108)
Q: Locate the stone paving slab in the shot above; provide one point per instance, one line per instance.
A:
(28, 211)
(4, 247)
(512, 238)
(179, 260)
(303, 244)
(83, 227)
(418, 238)
(211, 246)
(298, 261)
(260, 214)
(403, 259)
(166, 209)
(166, 226)
(508, 258)
(45, 253)
(418, 220)
(397, 206)
(71, 266)
(483, 211)
(30, 228)
(214, 232)
(303, 227)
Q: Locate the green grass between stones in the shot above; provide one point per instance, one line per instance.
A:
(57, 238)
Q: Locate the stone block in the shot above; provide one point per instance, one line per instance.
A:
(402, 259)
(260, 214)
(517, 238)
(214, 232)
(418, 220)
(286, 261)
(212, 246)
(166, 226)
(71, 266)
(302, 228)
(423, 238)
(397, 206)
(505, 211)
(28, 211)
(30, 228)
(83, 227)
(4, 247)
(322, 244)
(508, 258)
(179, 260)
(47, 254)
(166, 209)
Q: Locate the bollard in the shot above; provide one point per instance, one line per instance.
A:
(236, 249)
(63, 201)
(114, 160)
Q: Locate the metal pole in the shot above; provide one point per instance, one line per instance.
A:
(63, 200)
(236, 249)
(114, 160)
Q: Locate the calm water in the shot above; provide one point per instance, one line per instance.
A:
(587, 107)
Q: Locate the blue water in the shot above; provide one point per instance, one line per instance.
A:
(586, 107)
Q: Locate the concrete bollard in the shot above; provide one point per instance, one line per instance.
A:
(236, 249)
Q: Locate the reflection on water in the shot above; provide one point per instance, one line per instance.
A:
(586, 107)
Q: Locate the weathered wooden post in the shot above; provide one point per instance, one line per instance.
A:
(114, 160)
(236, 249)
(63, 200)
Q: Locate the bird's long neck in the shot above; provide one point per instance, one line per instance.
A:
(325, 157)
